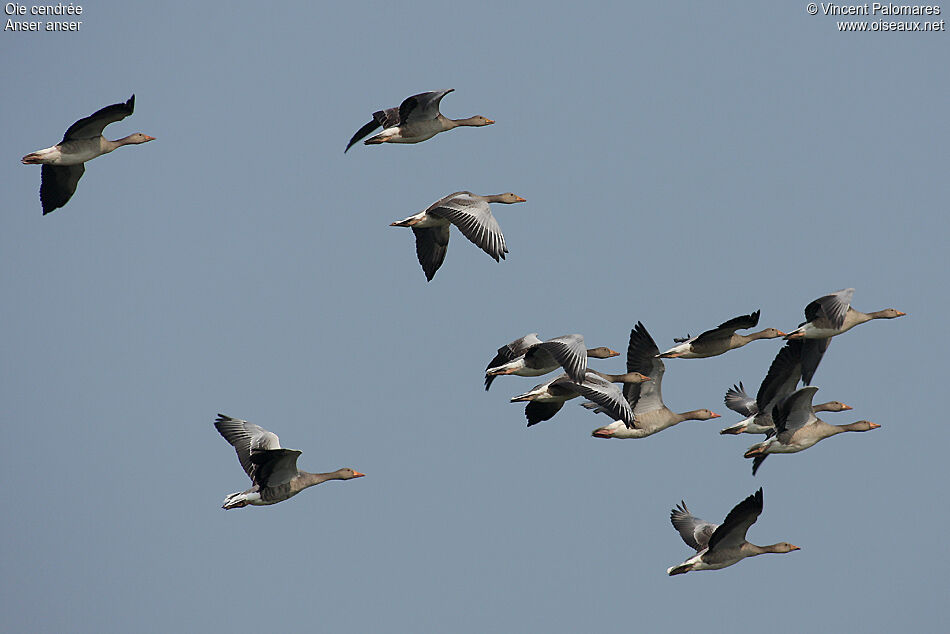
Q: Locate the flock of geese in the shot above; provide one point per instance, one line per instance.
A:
(780, 410)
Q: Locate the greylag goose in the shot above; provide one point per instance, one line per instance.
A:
(416, 119)
(738, 401)
(721, 545)
(797, 428)
(646, 399)
(781, 380)
(826, 317)
(83, 141)
(273, 470)
(547, 399)
(529, 356)
(467, 211)
(721, 339)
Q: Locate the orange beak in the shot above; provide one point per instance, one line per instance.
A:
(149, 138)
(357, 474)
(715, 415)
(613, 353)
(490, 121)
(873, 425)
(795, 547)
(782, 334)
(846, 407)
(900, 314)
(522, 200)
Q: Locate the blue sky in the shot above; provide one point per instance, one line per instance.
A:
(682, 165)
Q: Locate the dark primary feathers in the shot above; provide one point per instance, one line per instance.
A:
(782, 378)
(812, 352)
(642, 357)
(431, 246)
(732, 532)
(93, 125)
(58, 184)
(728, 328)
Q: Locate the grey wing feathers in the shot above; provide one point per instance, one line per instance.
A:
(608, 396)
(431, 246)
(733, 529)
(92, 126)
(641, 357)
(794, 412)
(510, 352)
(476, 222)
(738, 401)
(694, 531)
(570, 353)
(247, 439)
(58, 184)
(832, 307)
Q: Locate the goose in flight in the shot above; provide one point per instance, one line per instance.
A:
(63, 164)
(467, 211)
(272, 469)
(721, 545)
(415, 120)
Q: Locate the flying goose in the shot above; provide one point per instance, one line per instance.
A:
(83, 141)
(721, 545)
(826, 317)
(467, 211)
(797, 428)
(273, 470)
(781, 380)
(547, 399)
(529, 356)
(721, 339)
(646, 399)
(416, 119)
(738, 401)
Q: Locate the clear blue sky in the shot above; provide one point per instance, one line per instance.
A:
(682, 164)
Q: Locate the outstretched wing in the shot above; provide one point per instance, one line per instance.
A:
(641, 357)
(569, 351)
(794, 413)
(510, 352)
(608, 396)
(694, 531)
(832, 307)
(431, 245)
(58, 184)
(246, 438)
(728, 328)
(731, 533)
(812, 352)
(425, 105)
(92, 126)
(738, 401)
(538, 411)
(274, 466)
(474, 219)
